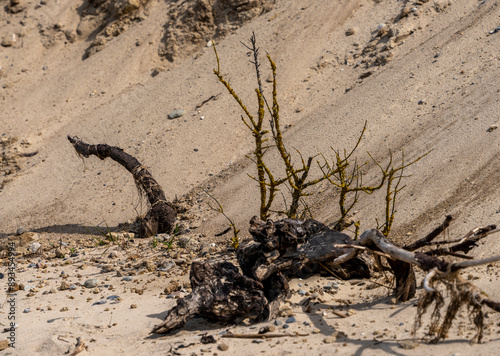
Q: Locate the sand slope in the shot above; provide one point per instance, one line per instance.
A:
(427, 80)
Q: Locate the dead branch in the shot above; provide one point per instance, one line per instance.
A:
(161, 215)
(427, 239)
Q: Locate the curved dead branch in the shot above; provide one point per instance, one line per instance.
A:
(161, 215)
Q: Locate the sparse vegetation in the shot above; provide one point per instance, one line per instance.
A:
(343, 172)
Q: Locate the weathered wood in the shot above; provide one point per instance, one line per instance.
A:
(281, 250)
(219, 292)
(161, 215)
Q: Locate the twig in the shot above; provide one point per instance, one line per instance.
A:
(339, 314)
(431, 236)
(329, 270)
(365, 249)
(213, 97)
(262, 336)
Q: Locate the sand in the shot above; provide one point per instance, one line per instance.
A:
(422, 75)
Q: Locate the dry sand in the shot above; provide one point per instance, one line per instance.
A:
(423, 75)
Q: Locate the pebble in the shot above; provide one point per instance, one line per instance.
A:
(128, 278)
(183, 241)
(59, 253)
(278, 322)
(9, 41)
(20, 230)
(63, 309)
(133, 306)
(267, 329)
(492, 128)
(301, 292)
(64, 285)
(27, 310)
(176, 114)
(316, 331)
(102, 301)
(291, 320)
(351, 31)
(286, 326)
(222, 347)
(495, 30)
(90, 283)
(33, 247)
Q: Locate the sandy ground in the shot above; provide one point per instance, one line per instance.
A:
(423, 75)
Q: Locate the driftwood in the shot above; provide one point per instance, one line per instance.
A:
(161, 215)
(293, 248)
(220, 293)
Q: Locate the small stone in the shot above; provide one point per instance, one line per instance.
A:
(183, 241)
(492, 128)
(90, 283)
(176, 114)
(102, 301)
(133, 306)
(301, 292)
(172, 286)
(421, 102)
(20, 230)
(63, 309)
(13, 288)
(114, 298)
(267, 329)
(59, 253)
(4, 344)
(286, 326)
(316, 331)
(34, 247)
(9, 41)
(222, 347)
(64, 285)
(128, 278)
(278, 322)
(27, 310)
(291, 320)
(157, 71)
(351, 31)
